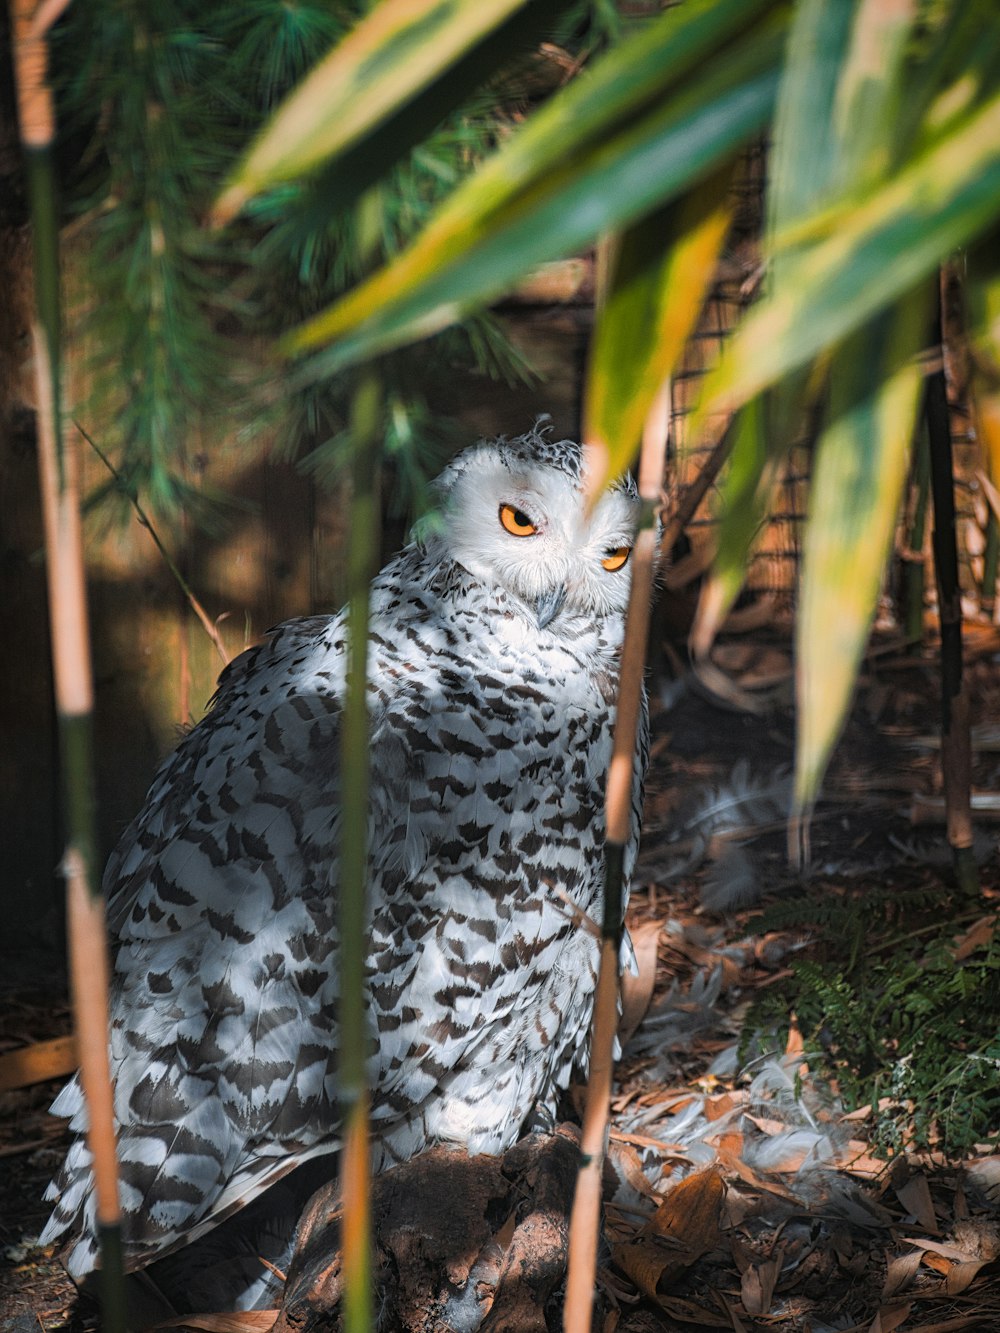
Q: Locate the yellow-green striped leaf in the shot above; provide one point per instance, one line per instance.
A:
(858, 473)
(744, 501)
(606, 174)
(982, 301)
(853, 261)
(661, 271)
(802, 164)
(391, 56)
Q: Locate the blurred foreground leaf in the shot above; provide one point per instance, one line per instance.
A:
(803, 164)
(858, 474)
(387, 61)
(662, 269)
(854, 260)
(653, 117)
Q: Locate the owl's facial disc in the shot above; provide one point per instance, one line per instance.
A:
(521, 526)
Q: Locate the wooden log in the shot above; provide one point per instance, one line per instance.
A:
(37, 1063)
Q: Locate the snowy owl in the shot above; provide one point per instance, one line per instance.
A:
(494, 653)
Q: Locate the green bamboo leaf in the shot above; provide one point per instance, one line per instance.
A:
(960, 68)
(858, 474)
(804, 124)
(661, 272)
(664, 56)
(393, 55)
(982, 305)
(867, 253)
(745, 499)
(870, 92)
(477, 248)
(802, 163)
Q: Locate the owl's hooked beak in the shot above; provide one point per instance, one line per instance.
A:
(549, 606)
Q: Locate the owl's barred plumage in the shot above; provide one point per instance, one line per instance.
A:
(492, 674)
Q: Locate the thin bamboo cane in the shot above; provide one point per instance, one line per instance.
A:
(59, 484)
(586, 1214)
(362, 562)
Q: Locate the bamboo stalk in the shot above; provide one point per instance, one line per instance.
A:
(585, 1218)
(956, 744)
(362, 563)
(59, 468)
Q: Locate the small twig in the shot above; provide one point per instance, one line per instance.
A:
(355, 771)
(577, 915)
(196, 606)
(16, 1149)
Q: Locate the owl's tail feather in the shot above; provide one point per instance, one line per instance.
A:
(169, 1198)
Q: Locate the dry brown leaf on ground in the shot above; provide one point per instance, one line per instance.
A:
(758, 1282)
(795, 1045)
(900, 1271)
(886, 1320)
(962, 1275)
(960, 1262)
(637, 990)
(688, 1312)
(690, 1213)
(915, 1196)
(978, 936)
(734, 1164)
(683, 1228)
(623, 1159)
(721, 1104)
(856, 1160)
(37, 1062)
(735, 1322)
(939, 1253)
(649, 1260)
(985, 1173)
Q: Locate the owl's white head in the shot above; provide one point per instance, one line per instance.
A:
(514, 517)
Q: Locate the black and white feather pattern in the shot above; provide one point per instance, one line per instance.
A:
(490, 738)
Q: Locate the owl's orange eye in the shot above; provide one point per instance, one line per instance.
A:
(517, 522)
(616, 557)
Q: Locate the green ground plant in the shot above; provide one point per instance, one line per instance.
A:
(892, 1012)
